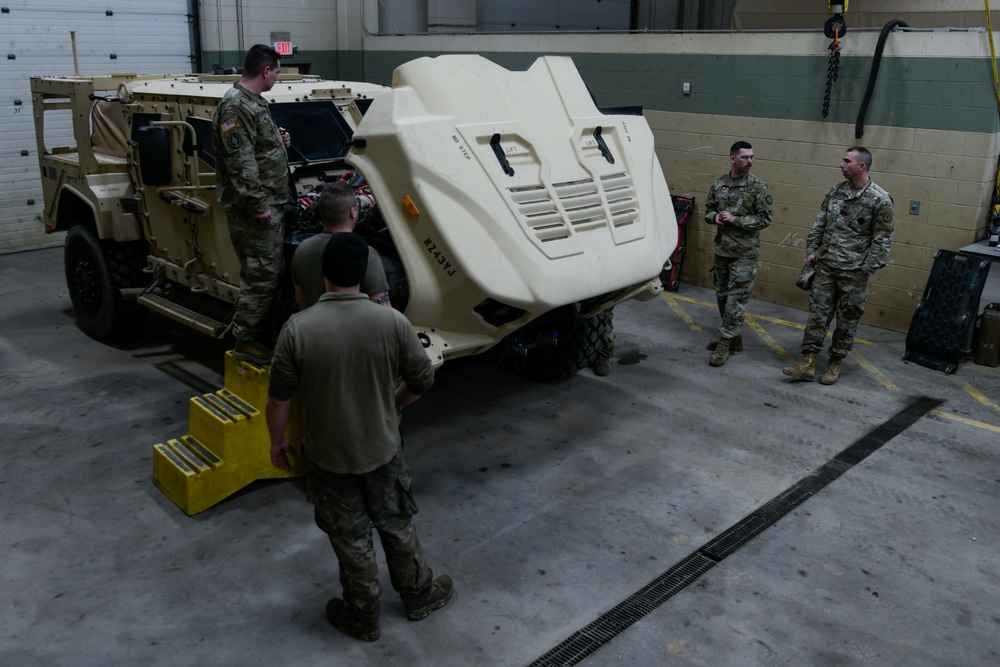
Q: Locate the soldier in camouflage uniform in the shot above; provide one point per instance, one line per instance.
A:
(740, 207)
(848, 243)
(253, 182)
(357, 364)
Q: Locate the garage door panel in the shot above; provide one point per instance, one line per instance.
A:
(144, 36)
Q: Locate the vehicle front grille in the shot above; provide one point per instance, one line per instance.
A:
(576, 206)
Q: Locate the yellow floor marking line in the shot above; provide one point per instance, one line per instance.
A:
(966, 420)
(674, 306)
(673, 298)
(800, 327)
(981, 397)
(876, 373)
(775, 320)
(889, 384)
(678, 297)
(751, 321)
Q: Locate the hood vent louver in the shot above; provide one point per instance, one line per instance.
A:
(576, 206)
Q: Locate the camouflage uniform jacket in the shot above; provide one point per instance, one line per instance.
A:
(747, 199)
(853, 230)
(251, 163)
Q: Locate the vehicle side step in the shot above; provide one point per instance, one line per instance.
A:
(182, 314)
(228, 447)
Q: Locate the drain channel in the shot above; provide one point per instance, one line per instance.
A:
(599, 632)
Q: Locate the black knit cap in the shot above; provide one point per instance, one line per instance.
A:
(345, 259)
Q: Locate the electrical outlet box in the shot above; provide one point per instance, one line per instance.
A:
(914, 207)
(686, 87)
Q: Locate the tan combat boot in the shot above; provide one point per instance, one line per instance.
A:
(832, 371)
(805, 370)
(253, 351)
(735, 344)
(721, 353)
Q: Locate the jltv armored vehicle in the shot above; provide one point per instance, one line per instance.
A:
(509, 211)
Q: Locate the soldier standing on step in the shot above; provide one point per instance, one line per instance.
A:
(253, 180)
(848, 243)
(740, 207)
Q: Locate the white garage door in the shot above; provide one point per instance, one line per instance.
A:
(143, 36)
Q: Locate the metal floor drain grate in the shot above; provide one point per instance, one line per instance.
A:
(730, 540)
(598, 633)
(586, 641)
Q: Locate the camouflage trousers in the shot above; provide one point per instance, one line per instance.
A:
(835, 293)
(259, 249)
(733, 279)
(346, 507)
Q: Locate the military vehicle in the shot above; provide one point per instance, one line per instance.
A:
(511, 214)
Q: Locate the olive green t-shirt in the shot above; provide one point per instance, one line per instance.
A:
(307, 270)
(346, 355)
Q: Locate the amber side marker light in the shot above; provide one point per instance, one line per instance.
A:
(410, 206)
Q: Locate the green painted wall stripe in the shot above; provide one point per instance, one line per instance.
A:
(953, 94)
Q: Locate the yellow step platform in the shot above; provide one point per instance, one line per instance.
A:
(228, 446)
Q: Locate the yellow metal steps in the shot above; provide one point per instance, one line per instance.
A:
(228, 446)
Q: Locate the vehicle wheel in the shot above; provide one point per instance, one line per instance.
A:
(126, 263)
(580, 341)
(91, 288)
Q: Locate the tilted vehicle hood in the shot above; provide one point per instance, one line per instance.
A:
(512, 186)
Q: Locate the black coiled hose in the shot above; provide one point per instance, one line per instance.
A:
(859, 125)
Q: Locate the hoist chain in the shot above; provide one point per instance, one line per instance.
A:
(832, 74)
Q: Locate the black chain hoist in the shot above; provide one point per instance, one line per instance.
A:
(832, 73)
(835, 27)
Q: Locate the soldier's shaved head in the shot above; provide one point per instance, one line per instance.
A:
(335, 205)
(738, 146)
(258, 57)
(740, 159)
(864, 155)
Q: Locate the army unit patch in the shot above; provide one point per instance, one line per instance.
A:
(234, 141)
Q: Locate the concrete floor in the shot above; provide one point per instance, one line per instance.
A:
(547, 503)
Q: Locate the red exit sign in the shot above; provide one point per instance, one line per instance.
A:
(283, 48)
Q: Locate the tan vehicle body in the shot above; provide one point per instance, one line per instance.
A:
(507, 207)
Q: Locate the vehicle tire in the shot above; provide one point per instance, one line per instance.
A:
(93, 284)
(126, 263)
(580, 341)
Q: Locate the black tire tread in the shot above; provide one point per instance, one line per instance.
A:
(118, 265)
(577, 349)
